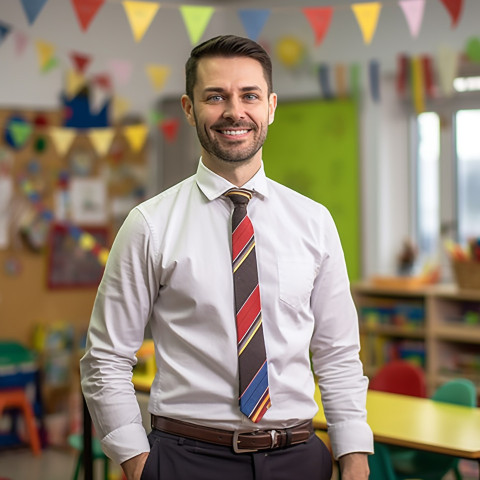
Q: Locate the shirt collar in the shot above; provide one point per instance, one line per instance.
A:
(214, 186)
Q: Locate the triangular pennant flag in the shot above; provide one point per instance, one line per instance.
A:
(253, 21)
(136, 136)
(86, 11)
(4, 31)
(418, 91)
(119, 107)
(447, 66)
(367, 17)
(158, 75)
(75, 82)
(121, 71)
(320, 19)
(454, 8)
(413, 11)
(21, 41)
(50, 65)
(62, 138)
(140, 15)
(196, 20)
(101, 139)
(80, 61)
(20, 132)
(170, 129)
(103, 81)
(45, 53)
(32, 8)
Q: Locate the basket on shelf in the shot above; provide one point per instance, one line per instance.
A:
(467, 273)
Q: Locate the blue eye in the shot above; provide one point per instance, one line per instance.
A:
(215, 98)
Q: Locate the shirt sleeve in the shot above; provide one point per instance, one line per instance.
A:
(335, 351)
(121, 311)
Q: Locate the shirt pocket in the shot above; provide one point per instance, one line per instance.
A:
(295, 279)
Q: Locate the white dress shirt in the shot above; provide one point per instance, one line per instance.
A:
(170, 265)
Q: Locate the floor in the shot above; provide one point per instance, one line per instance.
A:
(59, 464)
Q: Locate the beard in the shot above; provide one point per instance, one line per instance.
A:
(234, 152)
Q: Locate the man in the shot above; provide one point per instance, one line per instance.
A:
(171, 265)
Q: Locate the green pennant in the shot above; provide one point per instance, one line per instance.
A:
(20, 132)
(196, 20)
(50, 65)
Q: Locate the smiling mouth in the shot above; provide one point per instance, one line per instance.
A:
(233, 133)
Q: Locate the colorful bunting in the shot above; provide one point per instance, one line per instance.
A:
(413, 11)
(86, 11)
(18, 131)
(320, 19)
(454, 8)
(140, 15)
(121, 71)
(136, 136)
(170, 128)
(32, 8)
(158, 75)
(4, 31)
(80, 61)
(196, 19)
(253, 21)
(62, 138)
(367, 17)
(101, 139)
(20, 40)
(45, 53)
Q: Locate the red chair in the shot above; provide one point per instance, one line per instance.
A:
(402, 377)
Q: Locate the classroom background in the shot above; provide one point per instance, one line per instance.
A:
(379, 107)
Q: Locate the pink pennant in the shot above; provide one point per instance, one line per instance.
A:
(86, 11)
(413, 11)
(121, 71)
(80, 61)
(320, 19)
(454, 8)
(169, 128)
(21, 41)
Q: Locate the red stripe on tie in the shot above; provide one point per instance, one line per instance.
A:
(248, 313)
(241, 236)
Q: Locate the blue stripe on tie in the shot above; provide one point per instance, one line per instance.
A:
(255, 391)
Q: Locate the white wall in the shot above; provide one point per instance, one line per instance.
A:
(383, 143)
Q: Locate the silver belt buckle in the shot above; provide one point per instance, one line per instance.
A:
(236, 448)
(273, 435)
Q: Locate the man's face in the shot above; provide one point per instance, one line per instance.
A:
(231, 109)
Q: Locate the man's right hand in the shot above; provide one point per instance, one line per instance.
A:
(133, 467)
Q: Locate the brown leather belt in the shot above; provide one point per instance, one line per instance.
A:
(241, 442)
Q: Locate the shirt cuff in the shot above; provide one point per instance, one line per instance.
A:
(350, 437)
(125, 442)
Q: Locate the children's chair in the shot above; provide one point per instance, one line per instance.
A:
(76, 441)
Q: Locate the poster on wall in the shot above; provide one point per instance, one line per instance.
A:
(88, 201)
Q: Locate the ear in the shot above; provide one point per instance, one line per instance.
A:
(272, 105)
(187, 106)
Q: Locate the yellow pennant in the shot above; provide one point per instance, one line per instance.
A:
(136, 136)
(101, 139)
(418, 85)
(158, 75)
(45, 52)
(140, 15)
(196, 20)
(75, 82)
(367, 17)
(118, 108)
(62, 138)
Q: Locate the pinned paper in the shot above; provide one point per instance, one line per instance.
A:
(121, 71)
(75, 82)
(341, 80)
(21, 41)
(418, 85)
(402, 74)
(101, 139)
(454, 8)
(355, 81)
(32, 8)
(170, 128)
(253, 21)
(4, 31)
(196, 20)
(374, 77)
(158, 75)
(428, 76)
(320, 19)
(447, 66)
(62, 138)
(324, 78)
(136, 136)
(86, 11)
(367, 17)
(80, 61)
(413, 11)
(140, 15)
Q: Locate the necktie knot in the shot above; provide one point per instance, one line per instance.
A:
(239, 196)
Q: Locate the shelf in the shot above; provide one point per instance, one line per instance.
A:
(458, 333)
(393, 331)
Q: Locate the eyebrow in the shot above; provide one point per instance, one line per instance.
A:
(243, 89)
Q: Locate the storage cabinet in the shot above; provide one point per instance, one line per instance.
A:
(436, 327)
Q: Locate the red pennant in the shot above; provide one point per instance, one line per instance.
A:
(402, 74)
(428, 76)
(86, 11)
(319, 18)
(454, 8)
(80, 61)
(170, 128)
(103, 81)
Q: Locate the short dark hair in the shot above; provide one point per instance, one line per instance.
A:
(227, 46)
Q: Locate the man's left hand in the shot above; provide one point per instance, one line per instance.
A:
(354, 466)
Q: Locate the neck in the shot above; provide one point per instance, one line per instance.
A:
(237, 173)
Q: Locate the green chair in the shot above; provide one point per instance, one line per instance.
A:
(76, 441)
(407, 463)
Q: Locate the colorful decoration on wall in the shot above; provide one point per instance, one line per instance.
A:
(290, 51)
(196, 20)
(17, 131)
(32, 9)
(4, 31)
(413, 11)
(319, 19)
(158, 75)
(367, 17)
(253, 21)
(86, 11)
(454, 8)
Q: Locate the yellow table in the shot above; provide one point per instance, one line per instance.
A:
(419, 423)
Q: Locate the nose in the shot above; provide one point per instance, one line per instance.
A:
(233, 109)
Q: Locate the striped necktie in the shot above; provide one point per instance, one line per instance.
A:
(254, 395)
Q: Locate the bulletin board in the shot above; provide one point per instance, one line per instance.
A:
(312, 147)
(47, 276)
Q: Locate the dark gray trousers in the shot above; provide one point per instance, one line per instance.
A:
(177, 458)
